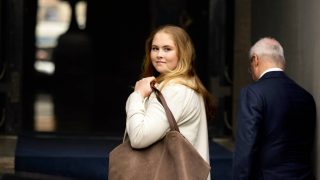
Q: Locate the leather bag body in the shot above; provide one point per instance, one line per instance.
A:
(171, 158)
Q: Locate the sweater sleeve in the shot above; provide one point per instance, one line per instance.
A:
(146, 119)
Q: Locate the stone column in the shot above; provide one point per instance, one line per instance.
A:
(242, 43)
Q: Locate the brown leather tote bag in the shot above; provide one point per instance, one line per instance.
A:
(171, 158)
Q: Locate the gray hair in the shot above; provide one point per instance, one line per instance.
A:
(268, 47)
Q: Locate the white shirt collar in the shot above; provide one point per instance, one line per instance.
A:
(270, 69)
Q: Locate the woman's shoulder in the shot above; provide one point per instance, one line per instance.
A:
(174, 86)
(178, 90)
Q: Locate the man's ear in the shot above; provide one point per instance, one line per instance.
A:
(255, 60)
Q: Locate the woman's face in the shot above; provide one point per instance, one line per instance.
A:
(164, 53)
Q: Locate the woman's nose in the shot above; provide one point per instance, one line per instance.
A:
(160, 54)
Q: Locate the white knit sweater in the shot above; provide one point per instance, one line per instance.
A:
(147, 122)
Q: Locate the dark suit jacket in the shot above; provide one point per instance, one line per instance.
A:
(275, 130)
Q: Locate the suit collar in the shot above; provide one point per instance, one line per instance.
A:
(273, 74)
(270, 69)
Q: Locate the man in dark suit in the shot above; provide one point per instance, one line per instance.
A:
(275, 123)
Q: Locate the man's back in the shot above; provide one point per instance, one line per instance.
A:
(280, 117)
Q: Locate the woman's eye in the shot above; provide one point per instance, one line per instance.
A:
(166, 49)
(154, 49)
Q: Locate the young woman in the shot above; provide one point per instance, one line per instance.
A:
(169, 61)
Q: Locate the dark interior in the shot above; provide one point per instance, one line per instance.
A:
(96, 67)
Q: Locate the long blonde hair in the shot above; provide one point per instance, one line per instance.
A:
(184, 73)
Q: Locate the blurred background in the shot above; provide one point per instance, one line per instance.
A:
(67, 66)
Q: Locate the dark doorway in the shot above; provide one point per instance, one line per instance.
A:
(95, 64)
(96, 59)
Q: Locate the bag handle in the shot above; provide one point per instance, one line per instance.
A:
(171, 120)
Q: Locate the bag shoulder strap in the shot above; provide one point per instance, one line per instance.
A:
(171, 120)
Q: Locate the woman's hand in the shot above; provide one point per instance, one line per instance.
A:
(143, 86)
